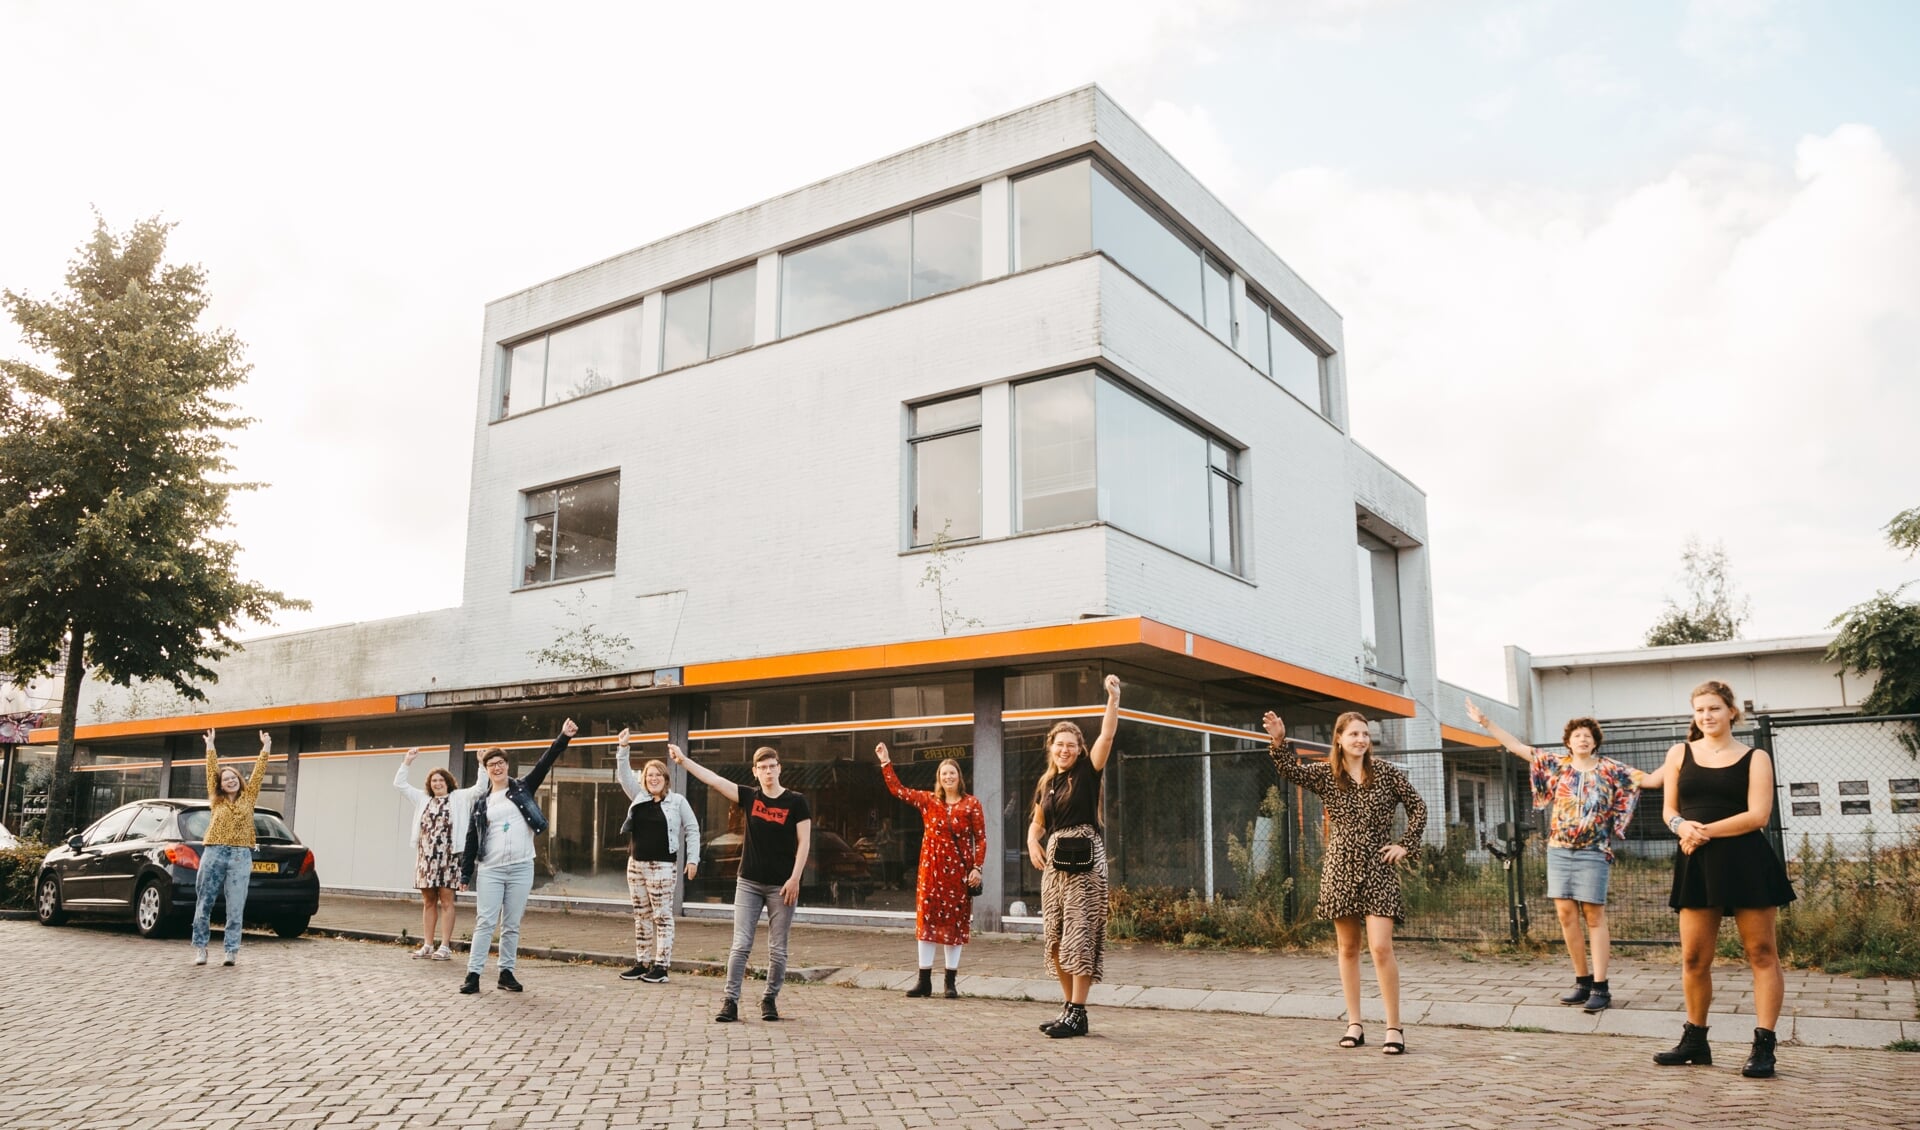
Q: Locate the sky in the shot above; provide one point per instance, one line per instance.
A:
(1612, 276)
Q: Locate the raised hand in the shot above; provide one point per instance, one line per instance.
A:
(568, 728)
(1112, 683)
(1276, 729)
(209, 736)
(1474, 712)
(266, 741)
(625, 733)
(410, 755)
(674, 755)
(880, 751)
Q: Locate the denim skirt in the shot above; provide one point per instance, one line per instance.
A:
(1579, 874)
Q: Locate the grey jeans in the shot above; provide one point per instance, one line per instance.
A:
(749, 898)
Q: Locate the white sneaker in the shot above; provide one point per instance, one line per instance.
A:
(229, 959)
(443, 954)
(425, 950)
(199, 955)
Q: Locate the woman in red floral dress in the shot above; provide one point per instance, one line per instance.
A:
(952, 851)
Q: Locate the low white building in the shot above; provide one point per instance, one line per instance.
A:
(918, 453)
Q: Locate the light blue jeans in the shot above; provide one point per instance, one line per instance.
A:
(749, 898)
(223, 871)
(500, 899)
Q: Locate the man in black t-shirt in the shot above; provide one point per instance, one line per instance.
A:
(779, 828)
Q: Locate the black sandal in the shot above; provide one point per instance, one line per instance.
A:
(1352, 1041)
(1395, 1047)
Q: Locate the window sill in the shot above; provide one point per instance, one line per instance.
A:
(538, 585)
(971, 542)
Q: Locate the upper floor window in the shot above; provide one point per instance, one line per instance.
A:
(945, 438)
(1283, 353)
(1380, 605)
(570, 530)
(571, 361)
(926, 252)
(1088, 448)
(1080, 207)
(709, 318)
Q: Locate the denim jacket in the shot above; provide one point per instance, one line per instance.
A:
(520, 791)
(682, 827)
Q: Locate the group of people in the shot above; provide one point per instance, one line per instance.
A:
(1717, 799)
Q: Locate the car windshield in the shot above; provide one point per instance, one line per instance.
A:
(267, 828)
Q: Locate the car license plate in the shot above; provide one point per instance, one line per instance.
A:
(266, 868)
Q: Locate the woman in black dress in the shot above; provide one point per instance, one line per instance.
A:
(1718, 800)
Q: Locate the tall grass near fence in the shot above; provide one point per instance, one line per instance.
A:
(1858, 912)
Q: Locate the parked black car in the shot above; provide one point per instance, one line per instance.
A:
(140, 861)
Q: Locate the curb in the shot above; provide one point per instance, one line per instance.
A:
(811, 974)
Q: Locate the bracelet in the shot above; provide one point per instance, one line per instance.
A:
(1673, 825)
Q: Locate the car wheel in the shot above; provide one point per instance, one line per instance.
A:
(46, 904)
(150, 910)
(291, 926)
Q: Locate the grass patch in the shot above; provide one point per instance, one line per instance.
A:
(1524, 1028)
(1858, 916)
(1904, 1046)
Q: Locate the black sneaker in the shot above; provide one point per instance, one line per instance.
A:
(471, 984)
(508, 982)
(637, 973)
(729, 1012)
(767, 1009)
(655, 974)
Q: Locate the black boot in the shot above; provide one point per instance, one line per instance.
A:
(1065, 1008)
(1073, 1024)
(1582, 989)
(1760, 1062)
(471, 984)
(509, 982)
(952, 993)
(1692, 1048)
(924, 986)
(1602, 998)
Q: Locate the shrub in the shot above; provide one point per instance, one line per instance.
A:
(1855, 916)
(19, 866)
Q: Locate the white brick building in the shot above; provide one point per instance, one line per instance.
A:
(735, 448)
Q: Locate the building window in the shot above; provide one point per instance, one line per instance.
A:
(1853, 788)
(1806, 808)
(1904, 786)
(570, 530)
(945, 439)
(1278, 349)
(1380, 605)
(1804, 788)
(1856, 808)
(571, 361)
(709, 318)
(1090, 449)
(926, 252)
(1081, 207)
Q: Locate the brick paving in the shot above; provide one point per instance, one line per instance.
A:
(105, 1029)
(1439, 985)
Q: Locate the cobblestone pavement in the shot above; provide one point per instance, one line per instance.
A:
(1438, 985)
(105, 1029)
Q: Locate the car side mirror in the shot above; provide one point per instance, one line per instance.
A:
(74, 842)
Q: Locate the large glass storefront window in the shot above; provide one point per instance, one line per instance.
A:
(103, 781)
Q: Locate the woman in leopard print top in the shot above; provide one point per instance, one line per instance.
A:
(1359, 888)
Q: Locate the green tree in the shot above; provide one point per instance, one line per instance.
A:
(111, 482)
(1712, 611)
(1883, 635)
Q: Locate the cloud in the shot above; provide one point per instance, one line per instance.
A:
(1580, 382)
(1737, 36)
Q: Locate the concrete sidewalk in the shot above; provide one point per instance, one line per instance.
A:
(1440, 986)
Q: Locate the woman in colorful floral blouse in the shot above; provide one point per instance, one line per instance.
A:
(952, 851)
(1591, 799)
(1359, 889)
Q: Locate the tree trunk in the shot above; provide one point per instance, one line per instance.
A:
(60, 788)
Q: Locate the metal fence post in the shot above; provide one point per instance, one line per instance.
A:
(1289, 812)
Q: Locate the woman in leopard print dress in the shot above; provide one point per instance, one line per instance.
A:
(1359, 888)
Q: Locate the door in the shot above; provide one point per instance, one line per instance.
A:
(82, 878)
(121, 860)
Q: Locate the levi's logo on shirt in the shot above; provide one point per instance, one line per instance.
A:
(769, 813)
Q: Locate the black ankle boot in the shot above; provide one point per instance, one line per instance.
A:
(1071, 1025)
(1760, 1062)
(1602, 998)
(952, 993)
(924, 986)
(1582, 989)
(1692, 1048)
(1064, 1009)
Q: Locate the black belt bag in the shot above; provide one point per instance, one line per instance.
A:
(1073, 855)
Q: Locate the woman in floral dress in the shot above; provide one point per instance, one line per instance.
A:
(439, 824)
(953, 849)
(1359, 889)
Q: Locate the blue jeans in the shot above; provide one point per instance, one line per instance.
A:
(500, 897)
(748, 899)
(223, 870)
